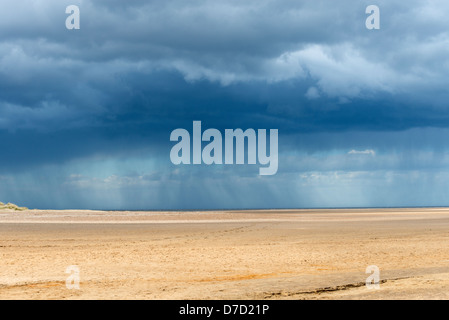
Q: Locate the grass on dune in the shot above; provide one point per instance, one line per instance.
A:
(11, 206)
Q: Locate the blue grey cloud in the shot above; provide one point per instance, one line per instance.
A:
(85, 115)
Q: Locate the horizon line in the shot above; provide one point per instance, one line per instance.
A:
(248, 209)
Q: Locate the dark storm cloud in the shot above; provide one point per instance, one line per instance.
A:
(292, 48)
(136, 70)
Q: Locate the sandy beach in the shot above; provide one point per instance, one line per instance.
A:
(271, 254)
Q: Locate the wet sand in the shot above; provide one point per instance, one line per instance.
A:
(271, 254)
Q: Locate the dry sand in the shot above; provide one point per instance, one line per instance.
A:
(276, 254)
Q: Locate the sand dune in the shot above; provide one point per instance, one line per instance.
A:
(271, 254)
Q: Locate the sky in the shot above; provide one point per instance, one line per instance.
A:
(86, 115)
